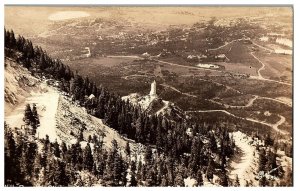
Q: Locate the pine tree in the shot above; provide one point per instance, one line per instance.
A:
(27, 115)
(209, 171)
(88, 158)
(262, 160)
(127, 149)
(35, 118)
(57, 173)
(213, 143)
(12, 167)
(56, 150)
(164, 181)
(179, 180)
(199, 178)
(133, 181)
(81, 136)
(148, 155)
(224, 179)
(263, 181)
(237, 181)
(64, 149)
(268, 140)
(37, 168)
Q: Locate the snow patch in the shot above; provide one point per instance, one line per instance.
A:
(190, 182)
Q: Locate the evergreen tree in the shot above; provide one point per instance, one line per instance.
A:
(209, 171)
(127, 149)
(224, 179)
(268, 140)
(133, 181)
(237, 181)
(88, 158)
(199, 178)
(27, 115)
(64, 149)
(148, 155)
(56, 150)
(12, 167)
(35, 121)
(179, 180)
(60, 177)
(262, 160)
(263, 182)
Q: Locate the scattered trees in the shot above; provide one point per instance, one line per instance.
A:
(31, 117)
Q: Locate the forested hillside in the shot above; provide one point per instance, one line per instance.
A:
(175, 150)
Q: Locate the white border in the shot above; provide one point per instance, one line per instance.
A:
(164, 2)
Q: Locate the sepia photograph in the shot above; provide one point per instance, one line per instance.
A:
(148, 96)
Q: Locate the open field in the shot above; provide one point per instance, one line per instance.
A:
(239, 68)
(256, 87)
(277, 66)
(237, 100)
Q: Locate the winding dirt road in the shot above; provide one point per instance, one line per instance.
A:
(249, 104)
(176, 90)
(260, 77)
(274, 126)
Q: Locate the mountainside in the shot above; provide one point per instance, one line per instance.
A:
(19, 84)
(60, 118)
(64, 130)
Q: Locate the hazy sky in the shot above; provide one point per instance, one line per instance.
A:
(35, 19)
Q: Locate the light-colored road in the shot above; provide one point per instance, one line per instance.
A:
(274, 126)
(184, 66)
(261, 68)
(226, 44)
(249, 104)
(121, 56)
(46, 103)
(134, 75)
(242, 168)
(277, 100)
(260, 77)
(213, 110)
(173, 88)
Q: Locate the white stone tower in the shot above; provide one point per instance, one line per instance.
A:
(153, 89)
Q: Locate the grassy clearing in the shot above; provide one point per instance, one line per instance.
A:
(237, 100)
(239, 68)
(255, 87)
(102, 61)
(277, 66)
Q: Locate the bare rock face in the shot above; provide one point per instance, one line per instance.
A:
(18, 84)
